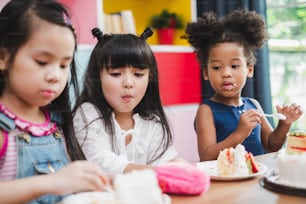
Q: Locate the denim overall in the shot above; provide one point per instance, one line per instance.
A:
(37, 154)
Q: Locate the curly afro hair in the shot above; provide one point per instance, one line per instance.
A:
(246, 28)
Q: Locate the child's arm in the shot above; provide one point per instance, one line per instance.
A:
(132, 166)
(274, 139)
(208, 147)
(76, 177)
(95, 141)
(179, 159)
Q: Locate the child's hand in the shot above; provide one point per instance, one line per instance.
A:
(78, 176)
(248, 121)
(292, 112)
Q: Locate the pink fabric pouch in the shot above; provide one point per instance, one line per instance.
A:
(182, 178)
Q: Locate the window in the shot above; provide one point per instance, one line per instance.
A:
(286, 21)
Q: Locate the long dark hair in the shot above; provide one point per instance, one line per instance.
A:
(18, 20)
(121, 50)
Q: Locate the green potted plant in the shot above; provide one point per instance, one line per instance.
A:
(165, 23)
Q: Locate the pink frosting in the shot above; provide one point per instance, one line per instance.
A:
(182, 178)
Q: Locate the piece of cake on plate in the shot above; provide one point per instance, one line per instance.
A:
(236, 162)
(291, 160)
(138, 187)
(296, 142)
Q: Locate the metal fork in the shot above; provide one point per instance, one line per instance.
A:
(276, 115)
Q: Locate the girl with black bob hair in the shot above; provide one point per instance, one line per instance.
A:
(119, 119)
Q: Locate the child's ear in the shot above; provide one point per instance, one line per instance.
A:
(250, 71)
(3, 59)
(205, 74)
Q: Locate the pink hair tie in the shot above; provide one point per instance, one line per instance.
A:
(66, 18)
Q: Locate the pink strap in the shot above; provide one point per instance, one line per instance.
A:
(4, 146)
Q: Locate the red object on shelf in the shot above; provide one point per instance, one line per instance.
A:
(165, 36)
(179, 72)
(179, 77)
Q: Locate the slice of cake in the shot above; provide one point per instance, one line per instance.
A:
(236, 162)
(291, 161)
(296, 142)
(291, 168)
(90, 198)
(138, 187)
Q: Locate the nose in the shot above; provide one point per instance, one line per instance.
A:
(226, 72)
(53, 74)
(128, 81)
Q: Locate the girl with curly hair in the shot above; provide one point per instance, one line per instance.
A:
(225, 47)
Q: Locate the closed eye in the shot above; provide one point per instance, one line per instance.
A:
(44, 63)
(139, 74)
(41, 63)
(115, 74)
(64, 66)
(235, 66)
(216, 67)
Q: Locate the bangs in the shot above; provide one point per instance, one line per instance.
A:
(123, 52)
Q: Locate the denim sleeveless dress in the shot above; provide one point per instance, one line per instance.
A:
(226, 119)
(40, 148)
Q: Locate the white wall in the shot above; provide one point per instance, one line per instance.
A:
(181, 119)
(2, 3)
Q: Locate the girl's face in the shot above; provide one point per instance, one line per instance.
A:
(227, 69)
(123, 88)
(40, 68)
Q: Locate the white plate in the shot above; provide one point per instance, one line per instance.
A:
(166, 199)
(99, 198)
(89, 198)
(272, 182)
(273, 177)
(211, 168)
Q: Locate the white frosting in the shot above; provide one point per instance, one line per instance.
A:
(90, 198)
(291, 168)
(235, 165)
(138, 187)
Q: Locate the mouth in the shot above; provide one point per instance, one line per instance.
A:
(229, 86)
(126, 97)
(48, 93)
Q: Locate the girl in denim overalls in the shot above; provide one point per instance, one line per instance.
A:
(37, 45)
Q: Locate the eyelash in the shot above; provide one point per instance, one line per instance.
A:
(43, 63)
(138, 74)
(116, 74)
(235, 66)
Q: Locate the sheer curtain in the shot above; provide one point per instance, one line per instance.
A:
(259, 86)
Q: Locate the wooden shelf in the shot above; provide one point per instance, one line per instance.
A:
(179, 72)
(89, 14)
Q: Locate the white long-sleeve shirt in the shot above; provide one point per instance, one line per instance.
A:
(96, 143)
